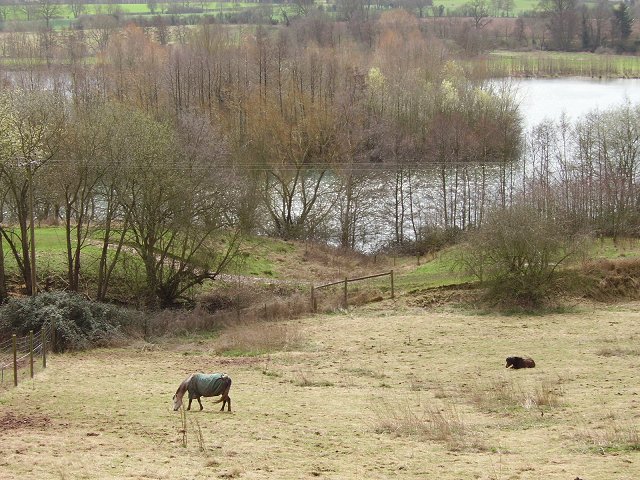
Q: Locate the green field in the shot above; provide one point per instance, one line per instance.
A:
(519, 5)
(65, 13)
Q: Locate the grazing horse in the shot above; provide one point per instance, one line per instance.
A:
(519, 362)
(201, 385)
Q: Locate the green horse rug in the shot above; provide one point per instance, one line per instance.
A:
(211, 385)
(204, 385)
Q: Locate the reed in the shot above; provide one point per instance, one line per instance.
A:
(545, 64)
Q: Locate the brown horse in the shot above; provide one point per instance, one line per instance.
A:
(520, 362)
(201, 385)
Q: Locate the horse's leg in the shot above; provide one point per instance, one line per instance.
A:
(228, 398)
(225, 397)
(198, 398)
(189, 406)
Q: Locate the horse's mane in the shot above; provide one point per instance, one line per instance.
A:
(183, 386)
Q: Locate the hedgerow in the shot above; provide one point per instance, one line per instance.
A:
(80, 323)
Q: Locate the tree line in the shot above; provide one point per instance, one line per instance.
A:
(473, 27)
(170, 153)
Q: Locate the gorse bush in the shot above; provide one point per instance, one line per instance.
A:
(80, 323)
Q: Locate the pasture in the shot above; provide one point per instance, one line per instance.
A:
(382, 391)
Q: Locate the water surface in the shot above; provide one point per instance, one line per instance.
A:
(542, 98)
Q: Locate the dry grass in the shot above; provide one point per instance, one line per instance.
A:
(613, 438)
(258, 338)
(618, 351)
(307, 379)
(607, 280)
(428, 422)
(305, 410)
(182, 322)
(507, 394)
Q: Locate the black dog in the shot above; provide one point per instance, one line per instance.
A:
(519, 362)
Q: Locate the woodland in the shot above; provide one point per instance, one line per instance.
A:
(163, 147)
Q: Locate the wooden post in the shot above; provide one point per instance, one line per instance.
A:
(53, 335)
(313, 299)
(31, 352)
(393, 293)
(15, 361)
(44, 347)
(345, 292)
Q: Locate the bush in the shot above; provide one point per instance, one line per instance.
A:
(80, 323)
(430, 240)
(517, 253)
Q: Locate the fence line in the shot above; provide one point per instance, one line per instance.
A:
(345, 282)
(20, 352)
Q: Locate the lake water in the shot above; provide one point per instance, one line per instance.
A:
(549, 98)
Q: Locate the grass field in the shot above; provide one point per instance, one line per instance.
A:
(518, 7)
(64, 17)
(379, 392)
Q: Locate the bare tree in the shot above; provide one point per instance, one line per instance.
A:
(77, 7)
(562, 21)
(48, 10)
(479, 11)
(35, 129)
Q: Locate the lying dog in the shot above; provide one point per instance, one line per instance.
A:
(519, 362)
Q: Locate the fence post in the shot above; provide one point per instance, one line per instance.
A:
(31, 352)
(345, 292)
(43, 334)
(313, 298)
(392, 289)
(53, 335)
(15, 361)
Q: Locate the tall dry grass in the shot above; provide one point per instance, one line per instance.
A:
(501, 394)
(181, 322)
(429, 422)
(613, 438)
(258, 338)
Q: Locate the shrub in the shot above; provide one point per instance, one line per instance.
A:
(517, 253)
(430, 240)
(80, 323)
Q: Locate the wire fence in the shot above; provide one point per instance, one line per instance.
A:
(21, 357)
